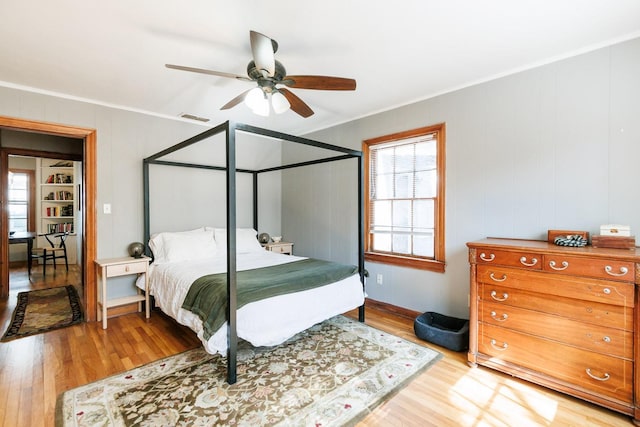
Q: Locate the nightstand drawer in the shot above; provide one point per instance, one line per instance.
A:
(129, 268)
(280, 247)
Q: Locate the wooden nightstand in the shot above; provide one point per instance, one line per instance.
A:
(280, 247)
(115, 267)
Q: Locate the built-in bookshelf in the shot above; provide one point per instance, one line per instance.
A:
(57, 209)
(57, 203)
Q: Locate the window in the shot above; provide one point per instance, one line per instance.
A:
(404, 206)
(21, 201)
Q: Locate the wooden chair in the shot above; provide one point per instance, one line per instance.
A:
(57, 249)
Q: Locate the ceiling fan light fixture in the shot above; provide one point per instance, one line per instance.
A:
(267, 73)
(279, 102)
(258, 102)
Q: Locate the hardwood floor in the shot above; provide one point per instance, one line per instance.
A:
(36, 369)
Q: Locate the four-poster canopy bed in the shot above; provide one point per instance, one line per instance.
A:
(234, 242)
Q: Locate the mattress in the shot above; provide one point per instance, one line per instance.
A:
(266, 322)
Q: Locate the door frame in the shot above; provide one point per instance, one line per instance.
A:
(87, 199)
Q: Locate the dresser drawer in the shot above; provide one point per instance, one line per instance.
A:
(609, 341)
(607, 375)
(611, 316)
(608, 292)
(530, 260)
(124, 269)
(589, 267)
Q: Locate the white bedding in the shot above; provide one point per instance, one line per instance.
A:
(263, 323)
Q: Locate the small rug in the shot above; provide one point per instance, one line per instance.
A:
(332, 374)
(44, 310)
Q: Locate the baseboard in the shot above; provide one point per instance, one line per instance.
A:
(17, 264)
(391, 309)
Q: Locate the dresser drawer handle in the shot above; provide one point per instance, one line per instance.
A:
(504, 296)
(605, 377)
(504, 316)
(484, 257)
(565, 264)
(502, 279)
(623, 271)
(607, 291)
(533, 262)
(503, 347)
(126, 268)
(606, 339)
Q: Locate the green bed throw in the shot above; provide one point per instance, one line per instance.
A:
(207, 296)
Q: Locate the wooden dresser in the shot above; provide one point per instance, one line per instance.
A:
(565, 318)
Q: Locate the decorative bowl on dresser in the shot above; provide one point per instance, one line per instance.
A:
(563, 317)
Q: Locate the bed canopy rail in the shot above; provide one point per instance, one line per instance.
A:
(230, 130)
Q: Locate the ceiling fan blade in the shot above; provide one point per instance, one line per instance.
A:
(263, 52)
(210, 72)
(297, 104)
(235, 101)
(319, 82)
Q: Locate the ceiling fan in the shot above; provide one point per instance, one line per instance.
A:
(271, 76)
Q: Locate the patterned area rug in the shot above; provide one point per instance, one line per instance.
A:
(44, 310)
(332, 374)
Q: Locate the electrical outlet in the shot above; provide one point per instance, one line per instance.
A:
(379, 279)
(106, 208)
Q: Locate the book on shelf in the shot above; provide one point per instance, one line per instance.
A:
(66, 210)
(59, 178)
(60, 227)
(59, 195)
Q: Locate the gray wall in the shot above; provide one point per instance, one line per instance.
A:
(124, 138)
(555, 147)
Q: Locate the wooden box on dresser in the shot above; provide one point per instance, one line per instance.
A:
(567, 318)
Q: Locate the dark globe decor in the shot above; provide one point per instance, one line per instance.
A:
(136, 249)
(264, 238)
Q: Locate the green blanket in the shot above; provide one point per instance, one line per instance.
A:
(207, 296)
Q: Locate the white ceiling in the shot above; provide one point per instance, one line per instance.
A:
(113, 52)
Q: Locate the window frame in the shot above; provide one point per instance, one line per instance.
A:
(437, 264)
(31, 202)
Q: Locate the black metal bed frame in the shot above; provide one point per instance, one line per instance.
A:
(230, 129)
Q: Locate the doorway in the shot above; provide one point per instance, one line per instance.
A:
(43, 200)
(87, 197)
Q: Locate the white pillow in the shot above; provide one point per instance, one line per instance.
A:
(246, 239)
(182, 246)
(156, 241)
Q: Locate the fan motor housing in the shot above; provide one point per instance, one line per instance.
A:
(255, 74)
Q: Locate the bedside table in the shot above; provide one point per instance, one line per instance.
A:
(114, 267)
(280, 247)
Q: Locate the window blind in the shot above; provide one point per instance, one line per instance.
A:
(403, 190)
(18, 201)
